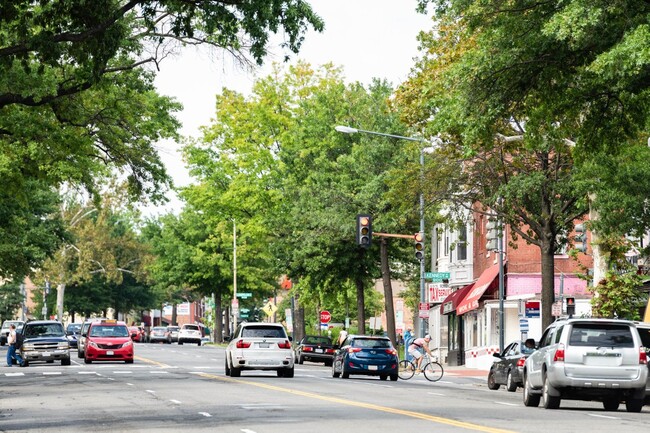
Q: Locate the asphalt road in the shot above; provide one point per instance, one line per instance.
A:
(173, 388)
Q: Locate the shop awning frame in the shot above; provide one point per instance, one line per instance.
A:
(470, 302)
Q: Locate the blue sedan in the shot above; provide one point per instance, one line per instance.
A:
(366, 355)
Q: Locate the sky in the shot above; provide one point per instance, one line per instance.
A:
(367, 38)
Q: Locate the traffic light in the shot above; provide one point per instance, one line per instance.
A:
(570, 306)
(492, 234)
(419, 245)
(364, 230)
(580, 239)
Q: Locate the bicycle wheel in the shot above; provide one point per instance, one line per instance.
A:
(433, 371)
(406, 369)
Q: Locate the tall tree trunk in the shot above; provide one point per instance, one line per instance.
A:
(226, 323)
(361, 308)
(174, 315)
(218, 313)
(388, 292)
(299, 320)
(548, 278)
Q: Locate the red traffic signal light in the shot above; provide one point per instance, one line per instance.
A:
(419, 245)
(570, 305)
(364, 230)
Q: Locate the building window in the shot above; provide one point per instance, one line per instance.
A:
(461, 244)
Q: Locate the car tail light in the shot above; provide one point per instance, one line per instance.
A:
(521, 361)
(307, 349)
(241, 344)
(329, 350)
(391, 351)
(285, 345)
(643, 357)
(354, 349)
(559, 354)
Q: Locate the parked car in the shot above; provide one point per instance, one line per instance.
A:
(315, 348)
(45, 340)
(137, 333)
(588, 359)
(108, 340)
(4, 331)
(507, 368)
(190, 334)
(366, 355)
(259, 346)
(160, 334)
(72, 332)
(173, 331)
(644, 333)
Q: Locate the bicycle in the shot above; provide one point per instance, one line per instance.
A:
(432, 370)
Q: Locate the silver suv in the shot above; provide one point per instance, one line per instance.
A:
(644, 332)
(588, 359)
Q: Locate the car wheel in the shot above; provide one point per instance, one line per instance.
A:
(87, 361)
(383, 377)
(550, 402)
(80, 354)
(634, 404)
(227, 369)
(335, 373)
(180, 342)
(50, 361)
(491, 381)
(235, 372)
(128, 361)
(611, 404)
(345, 374)
(530, 399)
(511, 385)
(301, 360)
(65, 361)
(393, 377)
(199, 343)
(287, 372)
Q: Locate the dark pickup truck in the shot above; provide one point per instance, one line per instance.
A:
(315, 348)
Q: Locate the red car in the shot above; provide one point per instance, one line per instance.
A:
(109, 340)
(137, 334)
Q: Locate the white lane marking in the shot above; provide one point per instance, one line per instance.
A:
(205, 414)
(507, 404)
(175, 401)
(245, 430)
(436, 393)
(130, 384)
(123, 372)
(158, 372)
(603, 416)
(151, 391)
(87, 372)
(14, 374)
(51, 373)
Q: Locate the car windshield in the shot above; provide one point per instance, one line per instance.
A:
(159, 330)
(109, 331)
(263, 332)
(317, 340)
(44, 330)
(645, 336)
(601, 335)
(371, 343)
(8, 323)
(74, 329)
(191, 328)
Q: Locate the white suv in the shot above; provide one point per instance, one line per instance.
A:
(260, 346)
(588, 359)
(190, 334)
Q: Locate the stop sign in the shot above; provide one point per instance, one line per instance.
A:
(325, 317)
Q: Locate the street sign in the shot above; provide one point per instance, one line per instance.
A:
(437, 276)
(523, 325)
(556, 310)
(270, 308)
(532, 308)
(244, 295)
(325, 317)
(424, 310)
(235, 307)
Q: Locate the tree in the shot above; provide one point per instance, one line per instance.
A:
(11, 299)
(528, 96)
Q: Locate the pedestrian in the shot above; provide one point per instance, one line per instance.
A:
(408, 335)
(342, 336)
(11, 351)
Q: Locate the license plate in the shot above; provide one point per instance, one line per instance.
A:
(319, 351)
(110, 352)
(264, 345)
(372, 367)
(47, 354)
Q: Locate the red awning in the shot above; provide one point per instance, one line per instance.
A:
(470, 302)
(451, 301)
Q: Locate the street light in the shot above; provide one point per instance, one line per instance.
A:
(349, 130)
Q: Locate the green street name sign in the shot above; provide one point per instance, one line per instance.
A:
(244, 295)
(436, 276)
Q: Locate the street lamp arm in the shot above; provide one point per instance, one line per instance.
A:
(349, 130)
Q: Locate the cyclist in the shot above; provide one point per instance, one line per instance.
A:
(415, 350)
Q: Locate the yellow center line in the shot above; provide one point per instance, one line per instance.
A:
(151, 361)
(343, 401)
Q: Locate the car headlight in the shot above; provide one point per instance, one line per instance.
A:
(127, 344)
(93, 344)
(63, 345)
(28, 347)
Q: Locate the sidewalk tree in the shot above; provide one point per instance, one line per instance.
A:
(523, 99)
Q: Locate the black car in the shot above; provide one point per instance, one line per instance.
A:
(315, 348)
(45, 340)
(72, 331)
(507, 369)
(366, 355)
